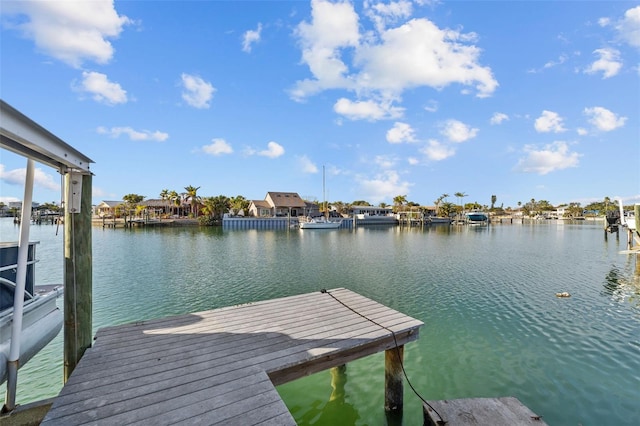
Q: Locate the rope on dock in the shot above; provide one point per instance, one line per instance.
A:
(395, 341)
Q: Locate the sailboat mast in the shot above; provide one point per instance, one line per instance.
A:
(324, 196)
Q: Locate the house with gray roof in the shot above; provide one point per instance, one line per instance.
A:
(281, 204)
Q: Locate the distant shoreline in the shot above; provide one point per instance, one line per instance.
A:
(120, 222)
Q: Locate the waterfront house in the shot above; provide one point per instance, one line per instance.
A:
(157, 206)
(260, 208)
(279, 204)
(107, 208)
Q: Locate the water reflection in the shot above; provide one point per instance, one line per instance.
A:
(337, 411)
(621, 285)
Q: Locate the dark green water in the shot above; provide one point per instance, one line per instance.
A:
(493, 325)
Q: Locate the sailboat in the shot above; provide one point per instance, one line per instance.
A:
(323, 222)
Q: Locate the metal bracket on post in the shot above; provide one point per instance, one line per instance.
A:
(74, 193)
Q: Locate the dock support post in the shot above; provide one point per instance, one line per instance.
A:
(77, 269)
(393, 386)
(636, 212)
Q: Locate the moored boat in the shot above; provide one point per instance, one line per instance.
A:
(306, 222)
(323, 222)
(477, 217)
(627, 219)
(366, 219)
(437, 220)
(41, 318)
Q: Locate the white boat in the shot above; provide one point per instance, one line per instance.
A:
(307, 222)
(477, 217)
(366, 219)
(41, 318)
(626, 219)
(437, 220)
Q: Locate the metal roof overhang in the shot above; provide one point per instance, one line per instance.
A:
(25, 137)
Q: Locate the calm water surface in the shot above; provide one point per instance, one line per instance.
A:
(493, 326)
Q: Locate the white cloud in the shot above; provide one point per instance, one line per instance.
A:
(419, 53)
(549, 121)
(385, 161)
(384, 186)
(401, 132)
(413, 161)
(134, 135)
(274, 150)
(217, 147)
(603, 119)
(333, 26)
(251, 37)
(629, 27)
(561, 60)
(70, 31)
(366, 110)
(101, 89)
(386, 63)
(306, 165)
(435, 151)
(432, 106)
(40, 178)
(553, 157)
(609, 63)
(197, 92)
(457, 131)
(582, 131)
(383, 14)
(498, 118)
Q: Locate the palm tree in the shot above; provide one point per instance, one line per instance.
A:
(399, 200)
(239, 203)
(460, 195)
(216, 207)
(164, 196)
(192, 195)
(131, 203)
(175, 198)
(447, 208)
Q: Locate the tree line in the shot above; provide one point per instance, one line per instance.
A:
(213, 208)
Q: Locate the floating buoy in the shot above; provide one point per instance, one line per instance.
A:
(563, 294)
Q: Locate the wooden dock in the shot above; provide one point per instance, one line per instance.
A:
(221, 366)
(506, 411)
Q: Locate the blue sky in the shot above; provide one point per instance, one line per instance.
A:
(517, 99)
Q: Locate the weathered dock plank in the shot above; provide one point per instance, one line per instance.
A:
(220, 366)
(506, 411)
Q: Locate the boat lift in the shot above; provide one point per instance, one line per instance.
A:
(24, 137)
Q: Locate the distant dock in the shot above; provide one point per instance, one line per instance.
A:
(221, 366)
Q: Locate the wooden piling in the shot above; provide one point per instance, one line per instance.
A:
(393, 375)
(77, 270)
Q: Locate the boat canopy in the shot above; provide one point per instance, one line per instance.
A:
(21, 135)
